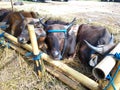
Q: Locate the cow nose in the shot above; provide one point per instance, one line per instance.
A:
(57, 55)
(21, 40)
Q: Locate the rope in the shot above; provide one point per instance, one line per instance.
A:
(56, 31)
(111, 82)
(35, 57)
(2, 35)
(117, 56)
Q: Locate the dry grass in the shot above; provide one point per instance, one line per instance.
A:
(16, 74)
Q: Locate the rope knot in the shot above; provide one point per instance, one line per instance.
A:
(2, 35)
(117, 56)
(35, 57)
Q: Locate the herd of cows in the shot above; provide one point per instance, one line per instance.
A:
(63, 39)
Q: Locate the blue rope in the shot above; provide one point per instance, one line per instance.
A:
(35, 57)
(2, 35)
(2, 38)
(28, 54)
(3, 27)
(53, 31)
(117, 56)
(111, 82)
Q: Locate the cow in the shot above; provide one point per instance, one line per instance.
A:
(24, 36)
(15, 19)
(60, 42)
(18, 22)
(4, 13)
(93, 39)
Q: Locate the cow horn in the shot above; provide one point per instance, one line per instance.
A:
(35, 20)
(111, 39)
(70, 24)
(22, 16)
(101, 50)
(40, 20)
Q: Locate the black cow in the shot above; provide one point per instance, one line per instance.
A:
(100, 38)
(4, 13)
(61, 44)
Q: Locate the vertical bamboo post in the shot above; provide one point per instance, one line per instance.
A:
(11, 4)
(34, 47)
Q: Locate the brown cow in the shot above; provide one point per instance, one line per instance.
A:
(4, 13)
(95, 35)
(15, 20)
(24, 36)
(61, 43)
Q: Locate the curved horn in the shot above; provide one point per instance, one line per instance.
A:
(22, 16)
(101, 50)
(70, 24)
(111, 39)
(40, 20)
(35, 20)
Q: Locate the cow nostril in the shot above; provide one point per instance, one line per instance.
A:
(21, 40)
(56, 53)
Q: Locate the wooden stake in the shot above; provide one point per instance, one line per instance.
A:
(11, 4)
(35, 48)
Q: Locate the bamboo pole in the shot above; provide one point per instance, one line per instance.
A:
(11, 4)
(106, 65)
(91, 84)
(15, 41)
(35, 48)
(73, 84)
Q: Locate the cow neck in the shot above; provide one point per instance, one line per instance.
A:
(65, 40)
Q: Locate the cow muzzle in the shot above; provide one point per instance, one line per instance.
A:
(22, 40)
(56, 55)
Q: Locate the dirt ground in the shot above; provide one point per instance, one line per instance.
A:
(16, 73)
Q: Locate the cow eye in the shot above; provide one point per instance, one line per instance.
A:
(61, 35)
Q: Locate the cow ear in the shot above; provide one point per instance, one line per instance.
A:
(73, 30)
(40, 32)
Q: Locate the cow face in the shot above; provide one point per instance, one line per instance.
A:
(57, 38)
(24, 36)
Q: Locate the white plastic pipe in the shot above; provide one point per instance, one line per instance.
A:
(106, 65)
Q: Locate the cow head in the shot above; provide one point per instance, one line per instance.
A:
(24, 36)
(93, 40)
(57, 37)
(102, 49)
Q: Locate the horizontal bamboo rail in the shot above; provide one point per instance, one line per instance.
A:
(91, 84)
